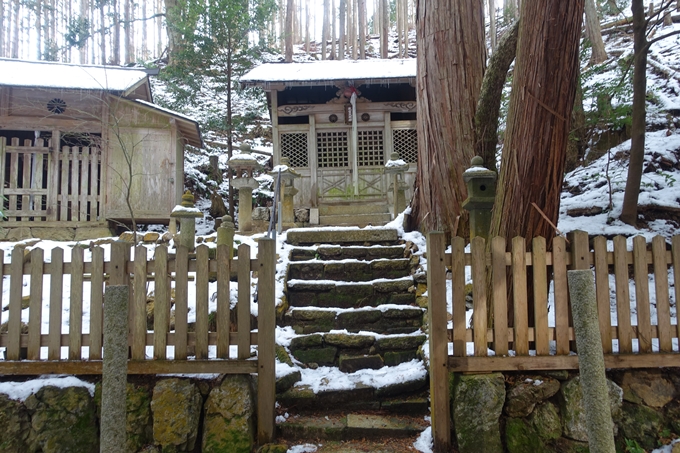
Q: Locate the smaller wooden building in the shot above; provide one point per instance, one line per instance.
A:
(338, 123)
(74, 139)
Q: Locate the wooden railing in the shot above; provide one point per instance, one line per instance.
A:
(519, 342)
(40, 346)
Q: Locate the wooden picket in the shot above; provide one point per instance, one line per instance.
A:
(522, 344)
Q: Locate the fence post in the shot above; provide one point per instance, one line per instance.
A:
(439, 342)
(591, 361)
(266, 330)
(114, 369)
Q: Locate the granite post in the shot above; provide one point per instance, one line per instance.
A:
(591, 361)
(114, 370)
(481, 186)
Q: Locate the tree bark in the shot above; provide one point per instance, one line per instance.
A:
(451, 62)
(115, 48)
(333, 31)
(638, 115)
(594, 34)
(17, 26)
(290, 11)
(325, 27)
(492, 24)
(489, 105)
(361, 10)
(343, 25)
(541, 103)
(353, 28)
(128, 30)
(307, 21)
(384, 27)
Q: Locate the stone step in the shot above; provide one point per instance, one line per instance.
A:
(352, 270)
(390, 445)
(353, 426)
(360, 220)
(353, 352)
(332, 294)
(336, 252)
(405, 396)
(342, 236)
(387, 319)
(353, 208)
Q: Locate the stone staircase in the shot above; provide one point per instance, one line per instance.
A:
(351, 300)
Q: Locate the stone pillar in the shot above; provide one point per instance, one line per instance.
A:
(481, 185)
(397, 167)
(114, 371)
(245, 188)
(225, 234)
(591, 362)
(187, 215)
(288, 211)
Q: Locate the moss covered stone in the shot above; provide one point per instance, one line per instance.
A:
(521, 437)
(229, 424)
(400, 343)
(63, 421)
(642, 424)
(320, 356)
(347, 341)
(394, 358)
(546, 421)
(573, 412)
(306, 341)
(15, 425)
(176, 407)
(477, 405)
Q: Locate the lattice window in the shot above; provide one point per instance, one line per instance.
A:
(406, 144)
(294, 147)
(332, 149)
(370, 150)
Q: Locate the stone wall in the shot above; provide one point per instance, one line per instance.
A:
(532, 412)
(167, 415)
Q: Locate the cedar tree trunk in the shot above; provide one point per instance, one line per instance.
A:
(543, 92)
(451, 62)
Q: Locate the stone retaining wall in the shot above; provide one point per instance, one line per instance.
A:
(163, 415)
(532, 412)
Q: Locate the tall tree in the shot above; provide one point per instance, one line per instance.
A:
(361, 11)
(451, 64)
(307, 21)
(384, 28)
(638, 115)
(492, 24)
(541, 102)
(290, 12)
(325, 28)
(342, 26)
(594, 34)
(2, 28)
(333, 31)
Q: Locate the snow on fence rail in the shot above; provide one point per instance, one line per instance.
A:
(532, 329)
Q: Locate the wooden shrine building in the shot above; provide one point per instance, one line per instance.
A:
(338, 123)
(73, 138)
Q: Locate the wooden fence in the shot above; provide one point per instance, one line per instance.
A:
(523, 344)
(43, 343)
(44, 185)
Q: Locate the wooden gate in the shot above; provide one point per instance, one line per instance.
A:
(42, 184)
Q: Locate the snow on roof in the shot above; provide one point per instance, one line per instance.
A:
(44, 74)
(329, 71)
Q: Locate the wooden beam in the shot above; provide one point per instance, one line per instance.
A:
(570, 362)
(134, 367)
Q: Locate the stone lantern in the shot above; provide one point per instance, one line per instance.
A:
(244, 165)
(187, 215)
(397, 167)
(481, 186)
(288, 190)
